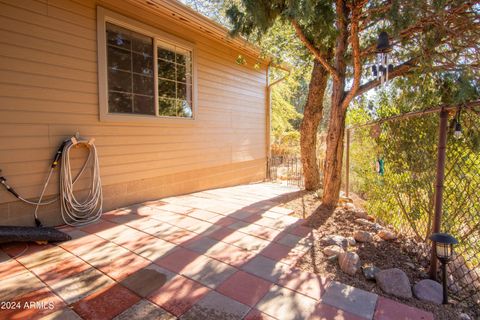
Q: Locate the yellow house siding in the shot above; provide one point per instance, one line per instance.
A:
(49, 90)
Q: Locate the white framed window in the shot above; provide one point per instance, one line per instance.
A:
(144, 74)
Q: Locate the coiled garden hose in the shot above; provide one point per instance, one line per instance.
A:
(74, 211)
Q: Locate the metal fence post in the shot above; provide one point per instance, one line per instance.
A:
(347, 164)
(437, 220)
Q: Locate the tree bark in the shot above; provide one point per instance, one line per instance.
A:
(332, 178)
(332, 175)
(308, 130)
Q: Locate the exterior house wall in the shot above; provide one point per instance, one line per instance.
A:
(49, 91)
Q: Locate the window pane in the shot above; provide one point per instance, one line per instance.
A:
(119, 59)
(143, 85)
(143, 63)
(184, 109)
(142, 44)
(181, 91)
(143, 105)
(119, 80)
(166, 54)
(119, 102)
(117, 36)
(167, 107)
(180, 58)
(166, 89)
(130, 73)
(166, 70)
(181, 74)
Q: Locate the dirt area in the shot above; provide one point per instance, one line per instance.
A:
(398, 253)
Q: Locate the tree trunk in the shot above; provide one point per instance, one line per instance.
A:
(308, 131)
(334, 158)
(332, 174)
(332, 180)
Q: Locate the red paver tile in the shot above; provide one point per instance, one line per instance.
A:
(9, 267)
(245, 288)
(326, 312)
(222, 220)
(220, 234)
(256, 314)
(391, 310)
(178, 295)
(106, 303)
(23, 249)
(178, 259)
(33, 305)
(307, 283)
(98, 226)
(281, 253)
(300, 231)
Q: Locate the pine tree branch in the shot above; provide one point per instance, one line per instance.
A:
(318, 55)
(357, 64)
(450, 16)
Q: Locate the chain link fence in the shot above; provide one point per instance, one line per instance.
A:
(393, 166)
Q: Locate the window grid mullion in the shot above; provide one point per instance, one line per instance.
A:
(155, 76)
(131, 74)
(176, 83)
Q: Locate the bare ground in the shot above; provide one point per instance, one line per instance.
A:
(400, 253)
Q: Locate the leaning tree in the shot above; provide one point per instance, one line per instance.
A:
(347, 38)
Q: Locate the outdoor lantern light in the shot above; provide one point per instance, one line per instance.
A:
(457, 133)
(381, 68)
(444, 249)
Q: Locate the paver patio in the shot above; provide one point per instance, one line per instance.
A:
(219, 254)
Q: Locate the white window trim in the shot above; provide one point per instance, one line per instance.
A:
(104, 16)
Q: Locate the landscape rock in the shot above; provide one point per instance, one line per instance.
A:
(363, 236)
(349, 206)
(370, 271)
(395, 282)
(377, 226)
(351, 241)
(361, 214)
(333, 250)
(364, 222)
(429, 290)
(387, 235)
(464, 316)
(349, 262)
(334, 240)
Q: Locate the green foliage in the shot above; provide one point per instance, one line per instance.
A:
(404, 196)
(284, 116)
(255, 18)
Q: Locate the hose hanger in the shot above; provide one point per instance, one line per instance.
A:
(74, 212)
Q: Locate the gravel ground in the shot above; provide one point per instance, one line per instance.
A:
(399, 253)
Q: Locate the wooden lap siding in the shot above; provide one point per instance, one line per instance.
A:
(49, 90)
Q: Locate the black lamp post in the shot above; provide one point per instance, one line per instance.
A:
(444, 249)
